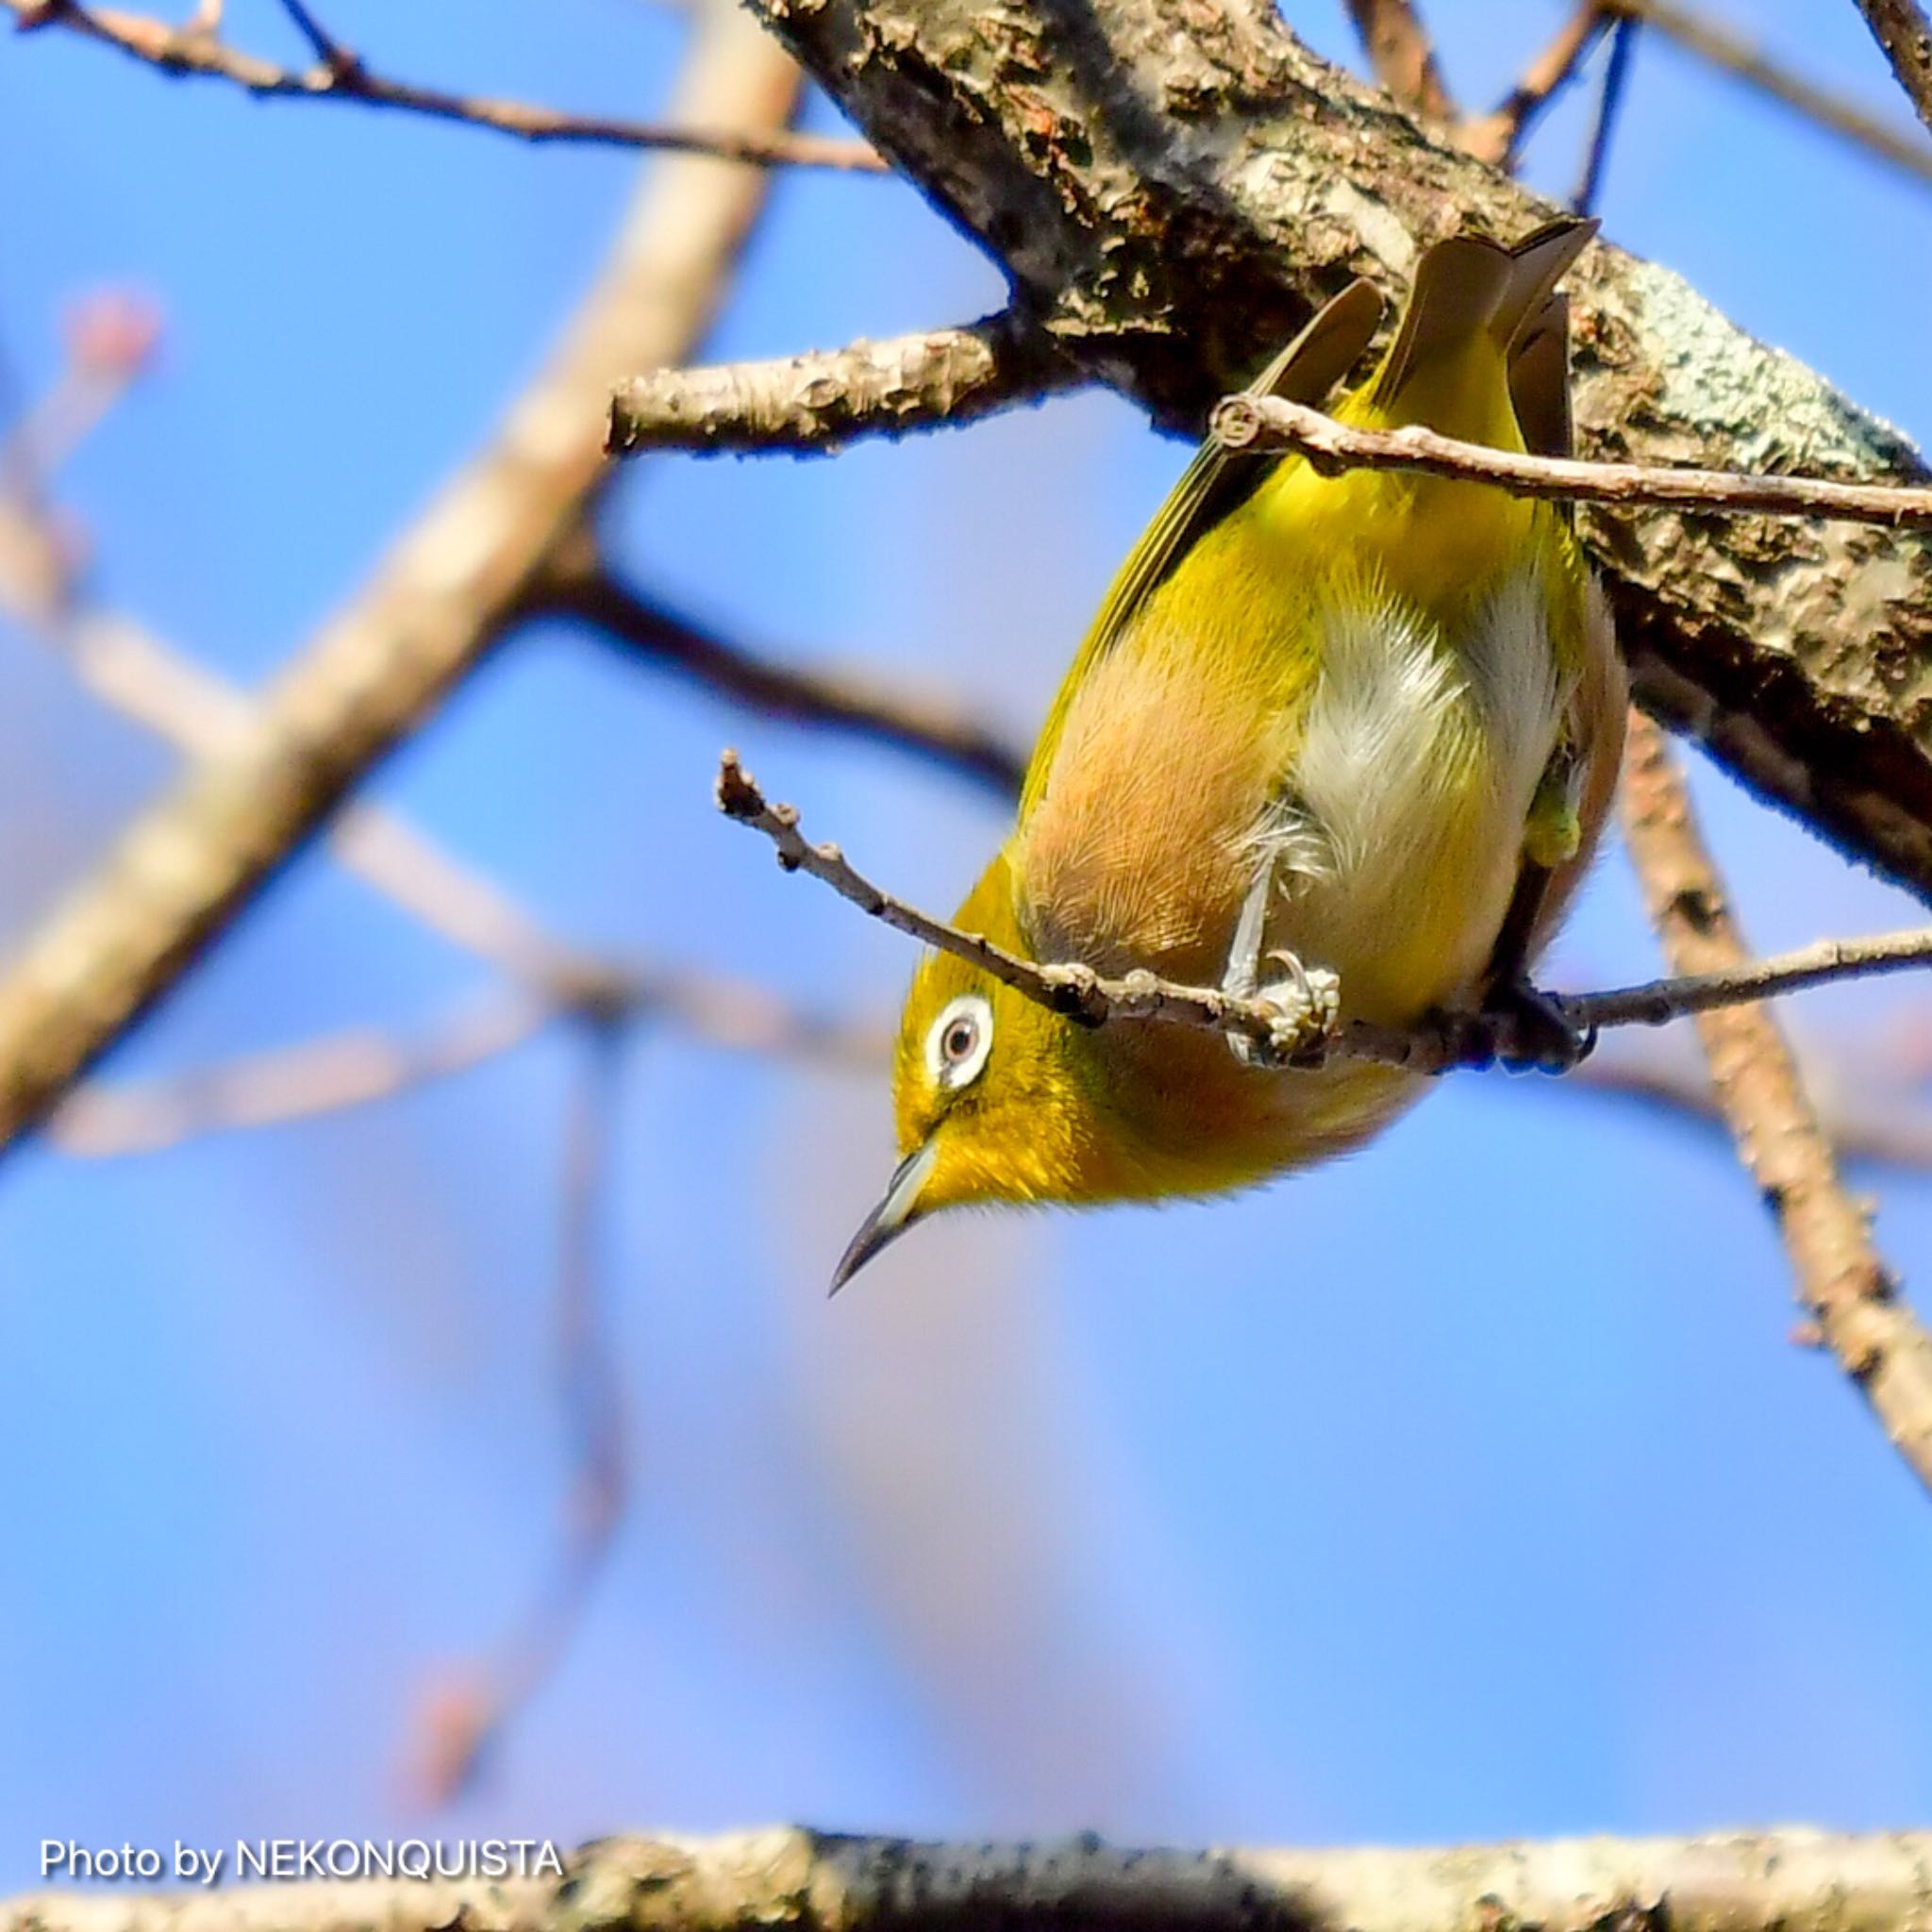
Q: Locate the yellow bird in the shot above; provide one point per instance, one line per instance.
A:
(1364, 725)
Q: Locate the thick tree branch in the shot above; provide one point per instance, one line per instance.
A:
(1298, 1040)
(1902, 28)
(380, 669)
(789, 1880)
(1268, 423)
(813, 404)
(1840, 1280)
(1170, 190)
(340, 75)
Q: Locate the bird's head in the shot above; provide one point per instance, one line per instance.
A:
(993, 1096)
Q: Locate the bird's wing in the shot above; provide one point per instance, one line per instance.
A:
(1210, 487)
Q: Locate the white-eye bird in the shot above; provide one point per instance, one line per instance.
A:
(1366, 725)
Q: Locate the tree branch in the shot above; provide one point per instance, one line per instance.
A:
(1848, 1290)
(813, 404)
(1262, 424)
(271, 1088)
(1712, 42)
(1497, 138)
(589, 590)
(378, 670)
(340, 75)
(1435, 1045)
(1901, 28)
(790, 1880)
(1399, 51)
(1170, 190)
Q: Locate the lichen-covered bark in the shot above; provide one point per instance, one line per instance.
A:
(1172, 184)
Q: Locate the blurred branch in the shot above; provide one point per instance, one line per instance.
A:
(1399, 50)
(380, 669)
(260, 1090)
(469, 1714)
(816, 403)
(1262, 424)
(1792, 1880)
(1609, 101)
(1496, 138)
(1712, 42)
(589, 589)
(1848, 1289)
(1433, 1045)
(340, 75)
(1892, 1131)
(1901, 28)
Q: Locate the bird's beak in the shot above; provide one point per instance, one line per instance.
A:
(894, 1214)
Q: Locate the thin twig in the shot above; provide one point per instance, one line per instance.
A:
(817, 403)
(1260, 425)
(327, 48)
(1901, 28)
(1432, 1046)
(1715, 43)
(345, 1070)
(930, 728)
(469, 1711)
(344, 78)
(1399, 50)
(1840, 1280)
(1889, 1128)
(1603, 123)
(1497, 137)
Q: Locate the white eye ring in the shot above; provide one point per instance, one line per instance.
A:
(961, 1037)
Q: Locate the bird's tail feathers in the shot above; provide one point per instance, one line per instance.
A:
(1468, 289)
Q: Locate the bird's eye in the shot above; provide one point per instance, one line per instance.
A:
(959, 1041)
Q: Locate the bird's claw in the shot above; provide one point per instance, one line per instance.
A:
(1541, 1037)
(1305, 1005)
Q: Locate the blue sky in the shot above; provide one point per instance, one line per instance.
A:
(1468, 1488)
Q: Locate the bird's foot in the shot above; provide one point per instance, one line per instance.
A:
(1533, 1032)
(1303, 1006)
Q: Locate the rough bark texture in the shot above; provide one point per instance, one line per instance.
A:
(1787, 1881)
(811, 404)
(1901, 28)
(429, 614)
(1172, 184)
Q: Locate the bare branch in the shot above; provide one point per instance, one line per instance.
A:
(1892, 1131)
(373, 674)
(340, 75)
(813, 404)
(472, 1712)
(1496, 138)
(593, 591)
(1399, 50)
(1793, 1880)
(1901, 28)
(1435, 1045)
(1603, 123)
(1712, 42)
(1263, 423)
(1170, 251)
(260, 1090)
(327, 48)
(1840, 1280)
